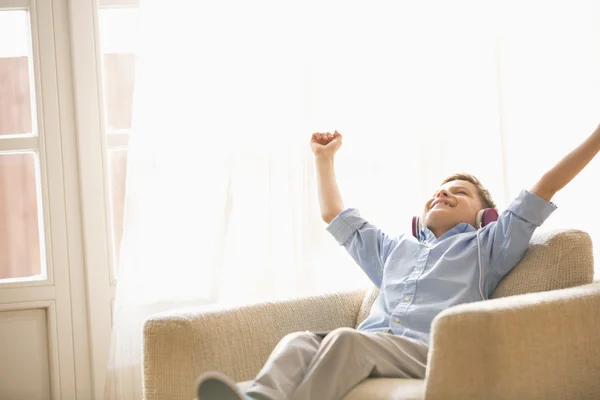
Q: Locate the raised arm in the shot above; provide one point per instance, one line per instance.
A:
(505, 242)
(324, 146)
(367, 245)
(568, 168)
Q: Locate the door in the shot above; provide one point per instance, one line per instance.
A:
(44, 334)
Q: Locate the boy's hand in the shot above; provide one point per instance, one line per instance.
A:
(326, 144)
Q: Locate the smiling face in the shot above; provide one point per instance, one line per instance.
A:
(455, 202)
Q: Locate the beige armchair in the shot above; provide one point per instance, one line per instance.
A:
(539, 338)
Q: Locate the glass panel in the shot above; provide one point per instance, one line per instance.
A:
(118, 88)
(15, 77)
(118, 30)
(20, 255)
(118, 171)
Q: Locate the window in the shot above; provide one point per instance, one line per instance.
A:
(21, 238)
(118, 29)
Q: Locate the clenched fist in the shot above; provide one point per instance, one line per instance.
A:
(326, 144)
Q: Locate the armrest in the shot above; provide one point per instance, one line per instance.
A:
(180, 345)
(538, 345)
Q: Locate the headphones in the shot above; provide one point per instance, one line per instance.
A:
(484, 217)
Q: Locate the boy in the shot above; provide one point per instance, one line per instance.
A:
(451, 262)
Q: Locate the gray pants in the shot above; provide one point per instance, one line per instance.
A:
(307, 365)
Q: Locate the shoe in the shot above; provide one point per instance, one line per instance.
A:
(214, 385)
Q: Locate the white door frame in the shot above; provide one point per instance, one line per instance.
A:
(61, 293)
(91, 143)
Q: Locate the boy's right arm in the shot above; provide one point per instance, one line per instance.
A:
(367, 245)
(324, 146)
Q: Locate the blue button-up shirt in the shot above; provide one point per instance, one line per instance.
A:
(420, 278)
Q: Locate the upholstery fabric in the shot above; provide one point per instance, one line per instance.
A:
(536, 339)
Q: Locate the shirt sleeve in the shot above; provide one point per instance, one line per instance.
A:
(506, 240)
(367, 245)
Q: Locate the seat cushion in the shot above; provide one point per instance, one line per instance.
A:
(388, 389)
(380, 389)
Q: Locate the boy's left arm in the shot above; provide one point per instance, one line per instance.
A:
(505, 242)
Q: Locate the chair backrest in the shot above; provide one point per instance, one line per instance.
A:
(555, 259)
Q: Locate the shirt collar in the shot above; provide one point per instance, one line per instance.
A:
(427, 236)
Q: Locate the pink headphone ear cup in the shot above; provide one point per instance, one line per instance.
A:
(486, 216)
(416, 226)
(479, 218)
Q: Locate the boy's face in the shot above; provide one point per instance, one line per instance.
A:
(453, 203)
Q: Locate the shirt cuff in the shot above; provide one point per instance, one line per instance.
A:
(531, 207)
(345, 224)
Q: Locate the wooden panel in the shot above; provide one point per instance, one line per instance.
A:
(24, 370)
(15, 96)
(19, 234)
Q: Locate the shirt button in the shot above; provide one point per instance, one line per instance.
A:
(396, 319)
(407, 298)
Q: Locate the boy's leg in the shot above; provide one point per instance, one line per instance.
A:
(347, 356)
(286, 366)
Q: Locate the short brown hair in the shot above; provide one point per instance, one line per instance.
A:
(484, 194)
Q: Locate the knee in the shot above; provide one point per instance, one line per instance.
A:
(296, 337)
(342, 336)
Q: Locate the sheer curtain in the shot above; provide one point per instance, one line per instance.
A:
(221, 204)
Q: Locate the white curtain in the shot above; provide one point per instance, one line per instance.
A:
(221, 204)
